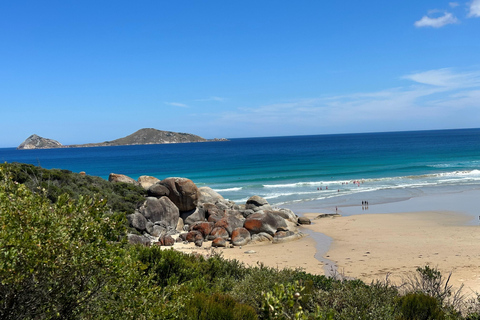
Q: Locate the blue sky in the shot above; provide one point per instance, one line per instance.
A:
(91, 71)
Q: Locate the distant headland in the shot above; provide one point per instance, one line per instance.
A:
(142, 136)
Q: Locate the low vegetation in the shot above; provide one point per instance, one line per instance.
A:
(63, 256)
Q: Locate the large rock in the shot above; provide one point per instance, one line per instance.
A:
(162, 209)
(158, 231)
(137, 220)
(212, 209)
(204, 227)
(286, 214)
(158, 190)
(240, 237)
(166, 240)
(147, 181)
(262, 237)
(113, 177)
(183, 192)
(229, 223)
(193, 236)
(304, 220)
(219, 243)
(161, 228)
(208, 195)
(136, 239)
(245, 213)
(193, 216)
(215, 218)
(218, 232)
(257, 203)
(180, 225)
(264, 222)
(286, 236)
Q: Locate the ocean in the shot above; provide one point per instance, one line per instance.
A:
(303, 173)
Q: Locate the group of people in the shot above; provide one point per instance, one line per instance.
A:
(364, 205)
(355, 182)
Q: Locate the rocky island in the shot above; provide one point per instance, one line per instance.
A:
(37, 142)
(140, 137)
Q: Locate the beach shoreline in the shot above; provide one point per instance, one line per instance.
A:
(374, 246)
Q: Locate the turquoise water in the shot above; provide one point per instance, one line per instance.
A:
(293, 171)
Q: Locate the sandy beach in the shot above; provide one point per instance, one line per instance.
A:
(293, 254)
(370, 246)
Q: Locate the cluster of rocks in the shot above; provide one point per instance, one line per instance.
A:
(176, 210)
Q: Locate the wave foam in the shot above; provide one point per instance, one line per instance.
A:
(228, 189)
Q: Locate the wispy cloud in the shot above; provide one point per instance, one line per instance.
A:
(453, 4)
(212, 99)
(445, 77)
(177, 104)
(438, 22)
(431, 99)
(474, 9)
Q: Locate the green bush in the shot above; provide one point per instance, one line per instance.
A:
(317, 281)
(122, 197)
(353, 299)
(419, 306)
(257, 280)
(169, 267)
(217, 307)
(55, 259)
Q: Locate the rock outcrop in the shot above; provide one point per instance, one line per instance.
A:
(37, 142)
(183, 192)
(113, 177)
(147, 181)
(174, 205)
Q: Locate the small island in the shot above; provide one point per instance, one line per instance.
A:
(140, 137)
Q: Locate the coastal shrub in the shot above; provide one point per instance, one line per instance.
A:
(420, 306)
(169, 267)
(256, 281)
(471, 307)
(122, 197)
(317, 281)
(285, 302)
(430, 281)
(217, 307)
(217, 267)
(353, 299)
(56, 260)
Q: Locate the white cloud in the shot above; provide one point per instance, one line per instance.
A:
(176, 104)
(440, 98)
(474, 10)
(453, 4)
(438, 22)
(446, 77)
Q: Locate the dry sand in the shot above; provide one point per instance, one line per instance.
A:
(293, 254)
(370, 246)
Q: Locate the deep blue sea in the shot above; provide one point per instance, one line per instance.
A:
(328, 170)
